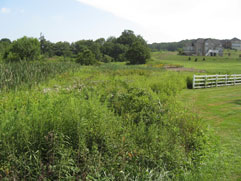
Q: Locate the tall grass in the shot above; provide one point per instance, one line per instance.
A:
(28, 74)
(109, 125)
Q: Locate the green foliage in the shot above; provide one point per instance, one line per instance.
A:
(86, 58)
(82, 45)
(138, 53)
(115, 50)
(180, 51)
(62, 49)
(107, 59)
(108, 122)
(47, 48)
(23, 49)
(4, 45)
(189, 82)
(29, 74)
(172, 46)
(127, 38)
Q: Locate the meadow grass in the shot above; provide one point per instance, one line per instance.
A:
(117, 122)
(27, 74)
(100, 123)
(220, 108)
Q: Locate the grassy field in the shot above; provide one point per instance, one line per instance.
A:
(219, 107)
(114, 121)
(221, 110)
(212, 65)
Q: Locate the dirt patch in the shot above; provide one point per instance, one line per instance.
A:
(182, 69)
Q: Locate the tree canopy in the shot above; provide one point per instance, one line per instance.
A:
(138, 53)
(23, 49)
(118, 49)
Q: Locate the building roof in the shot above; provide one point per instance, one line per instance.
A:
(235, 39)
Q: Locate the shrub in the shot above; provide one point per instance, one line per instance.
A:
(138, 53)
(189, 81)
(86, 58)
(107, 59)
(105, 126)
(23, 49)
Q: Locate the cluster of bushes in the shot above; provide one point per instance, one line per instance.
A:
(127, 47)
(104, 128)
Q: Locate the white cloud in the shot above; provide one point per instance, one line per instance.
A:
(170, 20)
(5, 10)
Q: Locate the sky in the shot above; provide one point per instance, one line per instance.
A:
(155, 20)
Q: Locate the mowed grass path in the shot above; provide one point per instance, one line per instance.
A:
(221, 109)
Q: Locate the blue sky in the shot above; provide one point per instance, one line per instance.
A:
(58, 20)
(155, 20)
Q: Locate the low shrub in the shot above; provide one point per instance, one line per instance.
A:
(103, 127)
(189, 81)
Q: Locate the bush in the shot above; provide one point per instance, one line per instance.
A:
(23, 49)
(107, 59)
(86, 58)
(189, 81)
(105, 126)
(138, 53)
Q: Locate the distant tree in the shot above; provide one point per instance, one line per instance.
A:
(100, 41)
(6, 40)
(4, 45)
(81, 45)
(111, 39)
(46, 47)
(86, 58)
(23, 49)
(180, 51)
(62, 49)
(115, 50)
(127, 38)
(138, 53)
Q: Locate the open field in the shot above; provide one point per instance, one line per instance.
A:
(219, 107)
(212, 65)
(60, 120)
(221, 110)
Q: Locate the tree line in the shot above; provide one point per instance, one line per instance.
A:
(171, 46)
(128, 47)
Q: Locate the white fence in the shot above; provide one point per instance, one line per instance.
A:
(206, 81)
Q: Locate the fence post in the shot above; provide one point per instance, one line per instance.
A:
(205, 83)
(226, 79)
(216, 80)
(234, 79)
(193, 82)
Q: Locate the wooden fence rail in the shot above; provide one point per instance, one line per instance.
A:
(207, 81)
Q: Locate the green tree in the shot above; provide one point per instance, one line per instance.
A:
(100, 41)
(138, 53)
(23, 49)
(86, 58)
(81, 45)
(127, 38)
(114, 50)
(4, 45)
(46, 47)
(62, 49)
